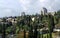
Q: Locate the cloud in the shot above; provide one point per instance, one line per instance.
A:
(25, 4)
(15, 7)
(43, 1)
(55, 5)
(5, 12)
(9, 8)
(24, 1)
(36, 5)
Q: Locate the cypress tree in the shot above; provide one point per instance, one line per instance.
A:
(42, 35)
(35, 31)
(51, 25)
(24, 33)
(3, 31)
(30, 34)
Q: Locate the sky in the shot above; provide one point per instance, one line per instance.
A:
(15, 7)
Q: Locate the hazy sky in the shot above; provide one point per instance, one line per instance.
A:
(15, 7)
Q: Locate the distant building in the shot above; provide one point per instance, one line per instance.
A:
(52, 13)
(44, 11)
(23, 14)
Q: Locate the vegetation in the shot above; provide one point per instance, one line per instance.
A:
(34, 29)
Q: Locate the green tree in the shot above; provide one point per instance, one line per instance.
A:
(56, 18)
(30, 34)
(51, 25)
(4, 28)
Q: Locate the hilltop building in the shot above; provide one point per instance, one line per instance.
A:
(44, 11)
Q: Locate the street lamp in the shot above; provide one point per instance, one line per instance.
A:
(35, 28)
(31, 30)
(33, 19)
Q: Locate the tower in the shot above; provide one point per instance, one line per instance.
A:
(44, 11)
